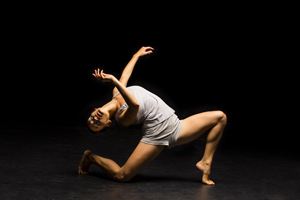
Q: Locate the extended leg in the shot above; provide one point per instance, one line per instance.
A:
(194, 126)
(142, 155)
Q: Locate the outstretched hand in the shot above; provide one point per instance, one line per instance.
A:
(102, 76)
(145, 51)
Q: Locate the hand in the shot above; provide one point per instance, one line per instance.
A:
(144, 51)
(102, 77)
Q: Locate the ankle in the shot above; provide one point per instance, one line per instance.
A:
(205, 162)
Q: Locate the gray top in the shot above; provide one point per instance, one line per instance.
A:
(152, 110)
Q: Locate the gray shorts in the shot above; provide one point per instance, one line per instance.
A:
(165, 133)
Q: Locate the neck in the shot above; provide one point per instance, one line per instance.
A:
(112, 107)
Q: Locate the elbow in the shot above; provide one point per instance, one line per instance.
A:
(134, 104)
(137, 105)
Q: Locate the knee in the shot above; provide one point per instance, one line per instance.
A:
(122, 177)
(221, 116)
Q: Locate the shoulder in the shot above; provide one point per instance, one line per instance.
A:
(115, 92)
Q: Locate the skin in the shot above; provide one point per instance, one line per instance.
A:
(193, 127)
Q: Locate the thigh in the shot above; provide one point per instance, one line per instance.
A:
(195, 126)
(141, 156)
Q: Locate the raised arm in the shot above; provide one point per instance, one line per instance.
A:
(129, 116)
(130, 66)
(128, 97)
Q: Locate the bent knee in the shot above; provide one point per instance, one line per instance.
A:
(221, 116)
(122, 177)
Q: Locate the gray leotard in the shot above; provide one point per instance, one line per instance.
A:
(152, 110)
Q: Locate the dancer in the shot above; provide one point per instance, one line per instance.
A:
(161, 127)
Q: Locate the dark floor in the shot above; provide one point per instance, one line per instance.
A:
(41, 163)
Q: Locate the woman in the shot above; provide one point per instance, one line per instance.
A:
(161, 127)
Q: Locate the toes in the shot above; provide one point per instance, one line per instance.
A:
(80, 171)
(83, 173)
(208, 182)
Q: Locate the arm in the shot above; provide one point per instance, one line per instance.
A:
(129, 116)
(128, 97)
(130, 66)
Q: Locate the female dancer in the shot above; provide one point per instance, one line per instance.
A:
(161, 127)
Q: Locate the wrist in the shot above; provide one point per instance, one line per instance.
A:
(136, 55)
(114, 80)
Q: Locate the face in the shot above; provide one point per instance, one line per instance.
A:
(98, 120)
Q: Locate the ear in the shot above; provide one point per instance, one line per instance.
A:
(109, 122)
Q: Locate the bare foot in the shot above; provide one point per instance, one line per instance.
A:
(85, 163)
(205, 169)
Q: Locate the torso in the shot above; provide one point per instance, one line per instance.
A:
(152, 109)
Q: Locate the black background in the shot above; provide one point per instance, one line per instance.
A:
(240, 62)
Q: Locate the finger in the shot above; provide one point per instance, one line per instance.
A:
(95, 72)
(94, 75)
(98, 72)
(151, 48)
